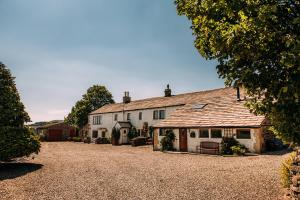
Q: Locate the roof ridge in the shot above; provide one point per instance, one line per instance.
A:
(176, 95)
(155, 102)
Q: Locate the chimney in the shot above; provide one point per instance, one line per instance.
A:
(126, 98)
(238, 95)
(168, 91)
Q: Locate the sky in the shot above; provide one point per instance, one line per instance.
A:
(57, 49)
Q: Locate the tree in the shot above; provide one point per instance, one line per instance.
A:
(16, 140)
(95, 97)
(167, 141)
(257, 46)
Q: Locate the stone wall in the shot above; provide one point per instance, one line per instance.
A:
(293, 192)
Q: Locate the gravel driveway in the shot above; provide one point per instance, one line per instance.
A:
(69, 170)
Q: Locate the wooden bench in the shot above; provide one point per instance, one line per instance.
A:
(207, 147)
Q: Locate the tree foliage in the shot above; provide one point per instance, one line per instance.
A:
(16, 140)
(132, 133)
(167, 141)
(257, 46)
(95, 97)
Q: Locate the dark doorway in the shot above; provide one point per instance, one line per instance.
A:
(183, 139)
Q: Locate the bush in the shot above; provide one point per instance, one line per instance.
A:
(285, 175)
(87, 140)
(167, 141)
(132, 133)
(17, 142)
(239, 149)
(226, 144)
(102, 141)
(138, 141)
(76, 139)
(43, 137)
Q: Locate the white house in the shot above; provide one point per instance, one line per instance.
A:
(193, 117)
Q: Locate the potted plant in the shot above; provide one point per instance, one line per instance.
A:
(238, 150)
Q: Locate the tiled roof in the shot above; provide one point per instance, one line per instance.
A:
(158, 102)
(219, 111)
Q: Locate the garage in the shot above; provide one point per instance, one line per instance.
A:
(55, 135)
(57, 131)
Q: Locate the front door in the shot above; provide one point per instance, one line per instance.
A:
(124, 136)
(183, 139)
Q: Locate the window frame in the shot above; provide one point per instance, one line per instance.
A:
(128, 116)
(155, 114)
(96, 133)
(116, 117)
(103, 134)
(140, 115)
(201, 130)
(162, 114)
(97, 119)
(215, 129)
(243, 130)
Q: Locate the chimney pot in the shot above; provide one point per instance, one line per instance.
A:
(168, 91)
(126, 98)
(238, 95)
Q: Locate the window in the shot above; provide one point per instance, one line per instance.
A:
(216, 133)
(116, 117)
(95, 134)
(155, 114)
(161, 132)
(228, 132)
(243, 134)
(161, 114)
(128, 116)
(203, 133)
(97, 120)
(103, 134)
(140, 115)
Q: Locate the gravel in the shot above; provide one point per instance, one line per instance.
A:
(66, 170)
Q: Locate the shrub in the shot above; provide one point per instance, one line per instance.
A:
(167, 141)
(43, 138)
(87, 140)
(17, 142)
(238, 149)
(76, 139)
(285, 175)
(151, 131)
(102, 141)
(226, 144)
(132, 133)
